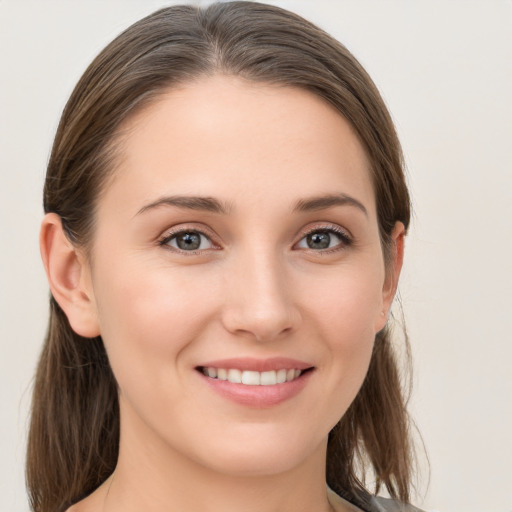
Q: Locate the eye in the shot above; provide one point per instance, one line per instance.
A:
(188, 241)
(322, 239)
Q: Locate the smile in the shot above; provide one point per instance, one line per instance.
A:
(256, 383)
(252, 378)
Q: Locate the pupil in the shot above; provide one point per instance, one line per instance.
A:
(189, 241)
(320, 240)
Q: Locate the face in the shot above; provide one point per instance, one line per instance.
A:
(237, 276)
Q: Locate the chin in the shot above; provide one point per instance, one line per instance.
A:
(253, 463)
(262, 454)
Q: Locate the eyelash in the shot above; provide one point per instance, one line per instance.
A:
(164, 241)
(346, 239)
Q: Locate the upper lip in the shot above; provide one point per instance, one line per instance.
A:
(257, 365)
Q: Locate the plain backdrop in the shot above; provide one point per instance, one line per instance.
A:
(445, 70)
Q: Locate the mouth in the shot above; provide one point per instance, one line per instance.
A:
(259, 383)
(253, 377)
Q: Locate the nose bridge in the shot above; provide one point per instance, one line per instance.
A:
(259, 299)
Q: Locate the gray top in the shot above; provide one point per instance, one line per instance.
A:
(366, 502)
(369, 503)
(378, 504)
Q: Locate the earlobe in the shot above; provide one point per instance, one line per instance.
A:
(393, 269)
(68, 276)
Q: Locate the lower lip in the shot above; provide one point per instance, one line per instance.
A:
(258, 396)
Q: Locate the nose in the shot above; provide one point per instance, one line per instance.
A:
(259, 301)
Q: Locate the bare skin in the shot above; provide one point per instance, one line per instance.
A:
(100, 501)
(240, 223)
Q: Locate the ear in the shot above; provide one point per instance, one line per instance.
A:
(68, 275)
(393, 269)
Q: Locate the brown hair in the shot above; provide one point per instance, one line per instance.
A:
(74, 431)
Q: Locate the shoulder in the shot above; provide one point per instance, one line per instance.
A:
(365, 502)
(378, 504)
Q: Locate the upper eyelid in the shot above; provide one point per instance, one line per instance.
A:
(327, 227)
(188, 227)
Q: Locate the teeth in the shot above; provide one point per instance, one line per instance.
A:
(235, 376)
(282, 375)
(252, 378)
(268, 378)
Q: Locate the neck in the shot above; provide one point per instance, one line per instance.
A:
(152, 477)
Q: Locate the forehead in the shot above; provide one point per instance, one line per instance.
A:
(224, 136)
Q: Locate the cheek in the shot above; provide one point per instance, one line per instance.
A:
(148, 316)
(348, 303)
(345, 314)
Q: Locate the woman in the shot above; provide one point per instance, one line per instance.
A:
(225, 218)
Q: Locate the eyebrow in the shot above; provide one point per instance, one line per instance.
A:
(207, 204)
(328, 201)
(210, 204)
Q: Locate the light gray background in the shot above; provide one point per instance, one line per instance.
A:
(445, 70)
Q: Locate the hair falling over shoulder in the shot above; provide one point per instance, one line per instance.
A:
(74, 431)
